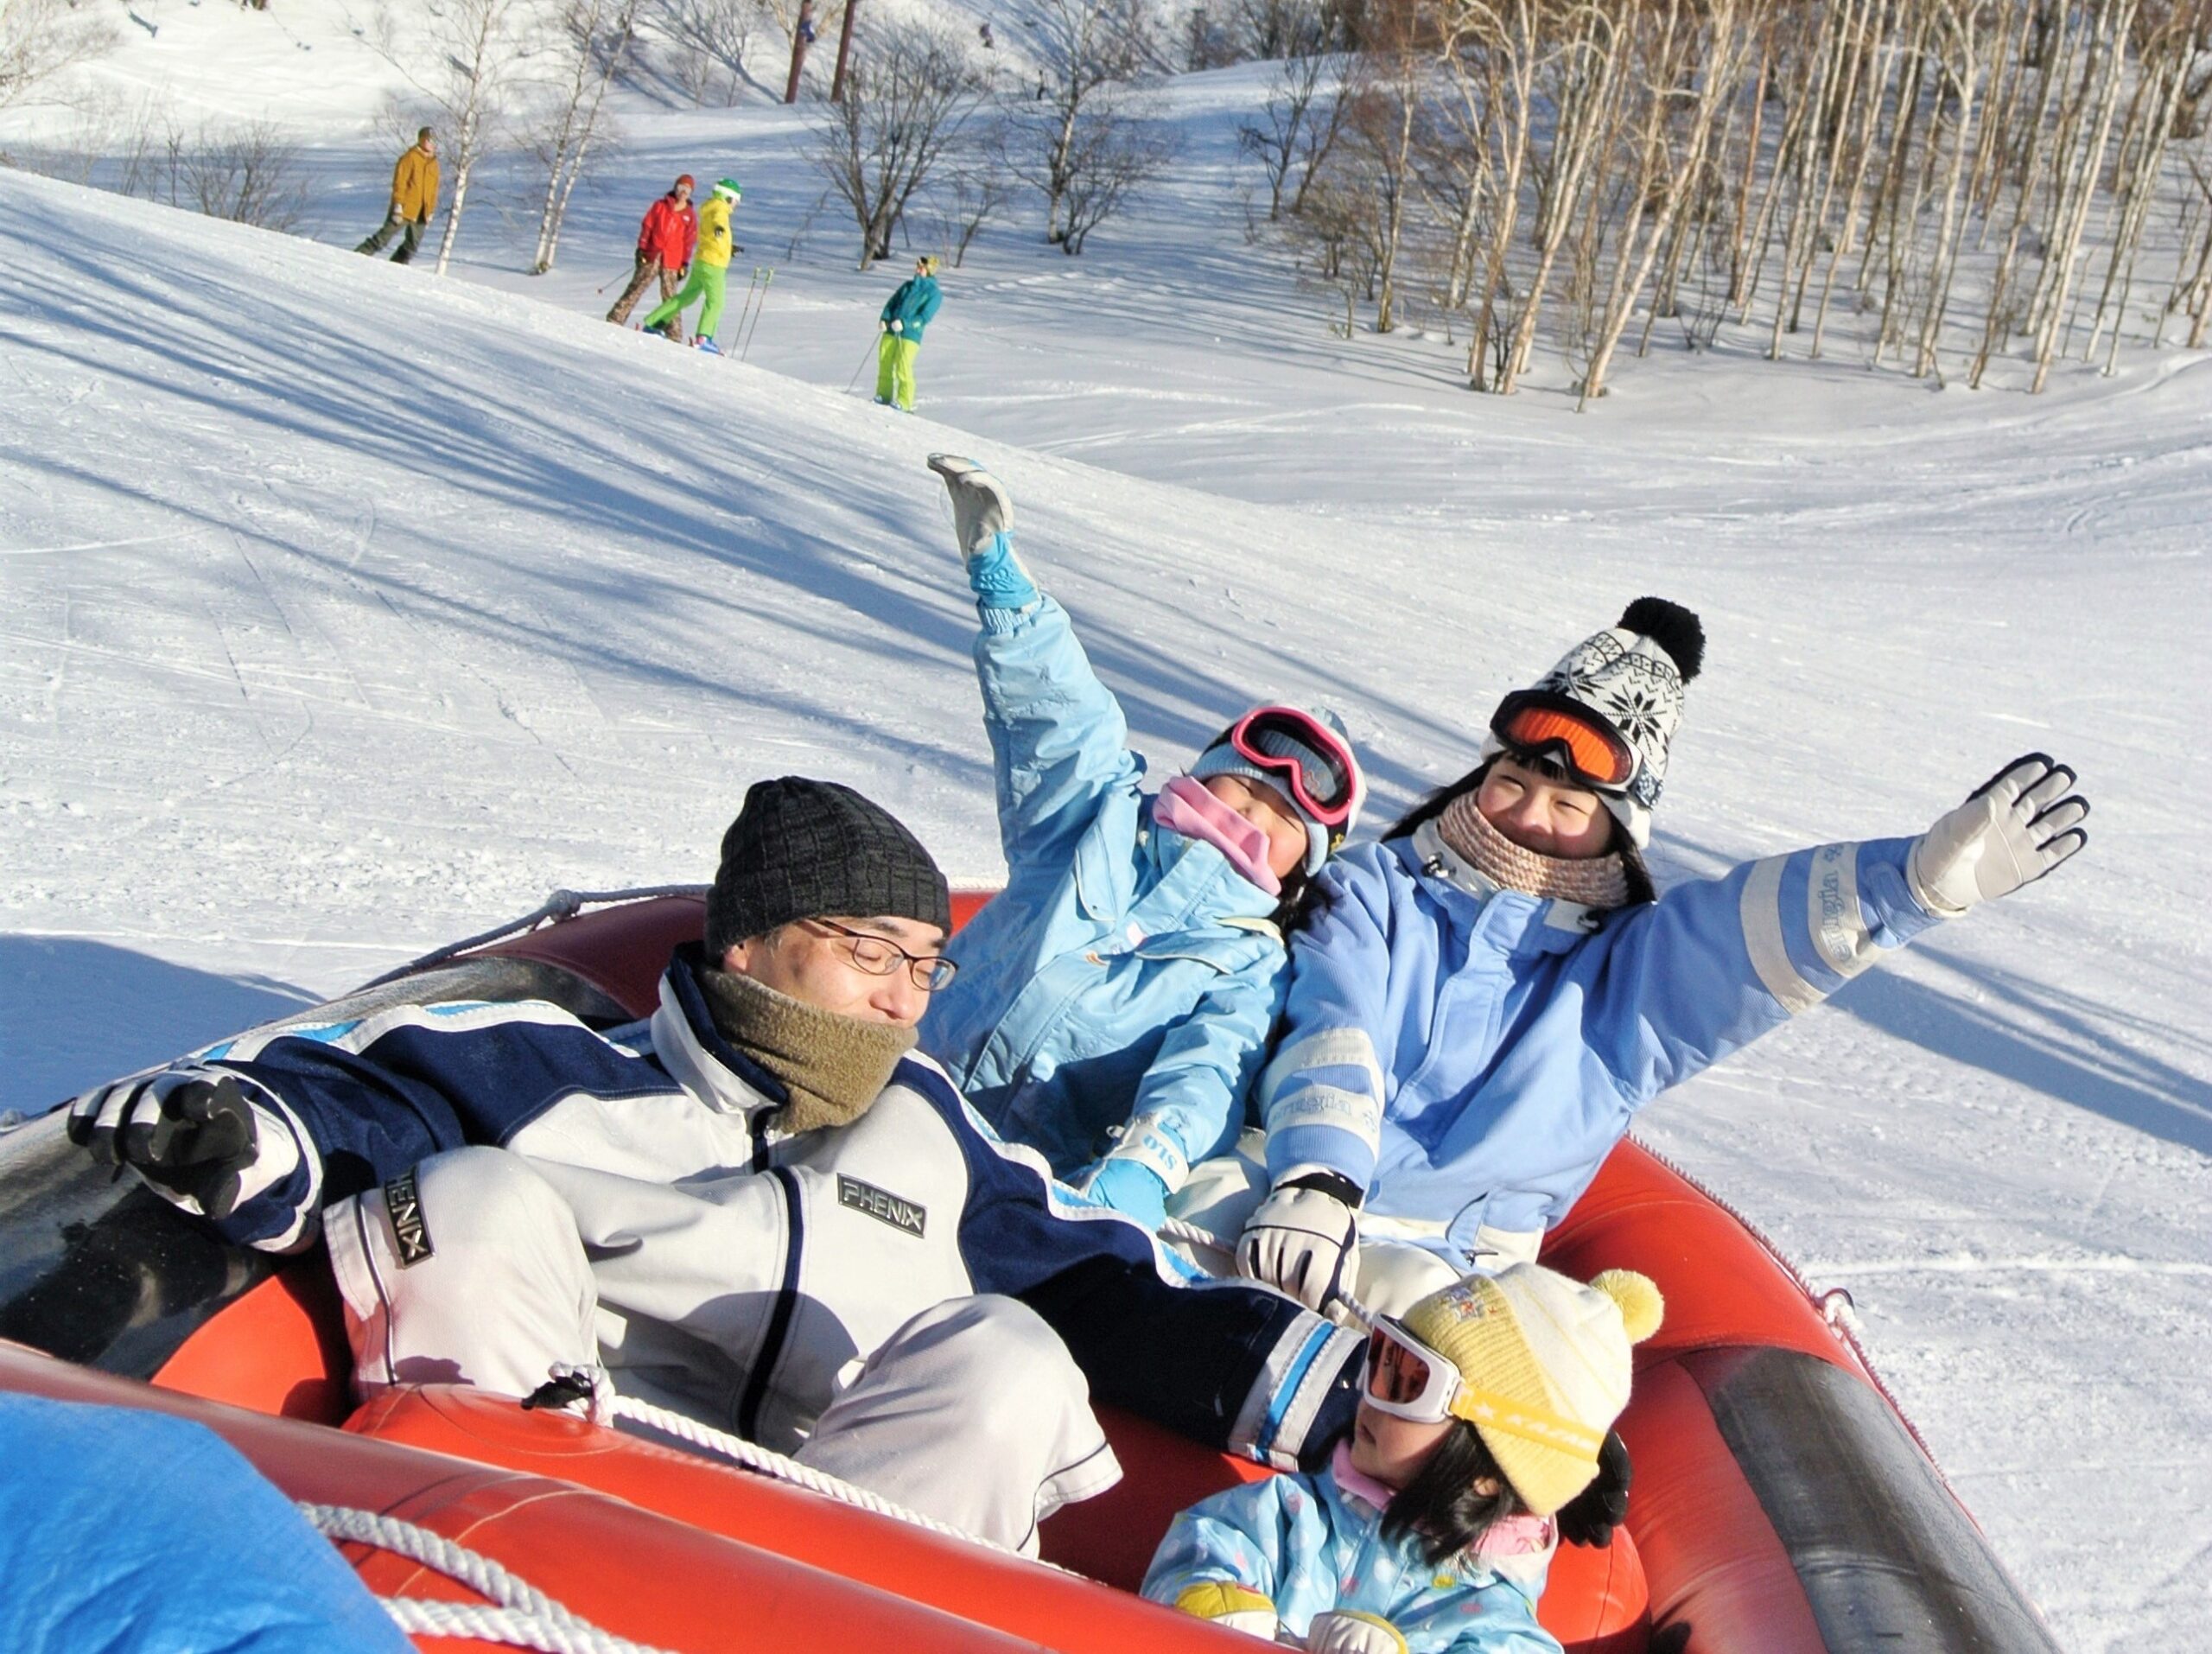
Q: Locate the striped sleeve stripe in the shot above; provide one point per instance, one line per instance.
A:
(1762, 917)
(1330, 1105)
(1832, 912)
(1329, 1048)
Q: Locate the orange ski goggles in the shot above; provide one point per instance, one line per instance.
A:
(1541, 723)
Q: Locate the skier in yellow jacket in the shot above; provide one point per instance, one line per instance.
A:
(414, 199)
(709, 266)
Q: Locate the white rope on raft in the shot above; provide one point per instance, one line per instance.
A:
(521, 1616)
(754, 1457)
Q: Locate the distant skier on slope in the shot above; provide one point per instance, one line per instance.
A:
(905, 314)
(414, 200)
(709, 269)
(665, 242)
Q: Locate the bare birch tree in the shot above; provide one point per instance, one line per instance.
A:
(906, 104)
(1082, 49)
(598, 34)
(466, 58)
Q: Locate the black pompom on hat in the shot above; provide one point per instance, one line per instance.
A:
(801, 849)
(1673, 628)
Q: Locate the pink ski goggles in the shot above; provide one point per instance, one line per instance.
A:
(1322, 777)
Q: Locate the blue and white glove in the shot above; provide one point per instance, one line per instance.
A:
(983, 523)
(2017, 826)
(1133, 1189)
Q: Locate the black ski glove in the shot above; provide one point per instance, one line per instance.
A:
(1591, 1516)
(189, 1134)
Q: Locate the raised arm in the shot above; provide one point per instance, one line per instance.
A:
(1058, 740)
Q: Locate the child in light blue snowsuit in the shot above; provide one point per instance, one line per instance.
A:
(1431, 1530)
(1486, 997)
(1113, 1001)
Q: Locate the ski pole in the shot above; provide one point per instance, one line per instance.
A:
(623, 276)
(748, 311)
(770, 280)
(871, 350)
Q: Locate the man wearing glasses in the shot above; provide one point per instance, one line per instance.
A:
(759, 1207)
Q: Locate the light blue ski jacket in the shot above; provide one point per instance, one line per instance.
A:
(1127, 976)
(1470, 1055)
(1308, 1546)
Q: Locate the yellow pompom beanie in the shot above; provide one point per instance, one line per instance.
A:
(1546, 1363)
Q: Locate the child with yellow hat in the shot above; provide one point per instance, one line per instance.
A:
(1482, 1412)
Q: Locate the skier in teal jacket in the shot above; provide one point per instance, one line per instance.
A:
(1113, 1002)
(905, 313)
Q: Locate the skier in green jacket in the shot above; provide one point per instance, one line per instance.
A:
(904, 315)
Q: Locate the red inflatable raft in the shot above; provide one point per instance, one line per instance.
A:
(1781, 1503)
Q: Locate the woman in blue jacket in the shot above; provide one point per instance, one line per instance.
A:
(1484, 1000)
(1112, 1004)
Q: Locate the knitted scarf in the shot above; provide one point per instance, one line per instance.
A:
(1598, 881)
(834, 1066)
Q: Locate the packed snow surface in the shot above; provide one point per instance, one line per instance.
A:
(347, 611)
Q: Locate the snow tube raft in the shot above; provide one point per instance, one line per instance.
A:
(1782, 1504)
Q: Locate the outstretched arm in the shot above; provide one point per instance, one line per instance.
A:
(1715, 963)
(257, 1133)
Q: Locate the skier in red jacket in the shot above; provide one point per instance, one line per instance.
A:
(666, 240)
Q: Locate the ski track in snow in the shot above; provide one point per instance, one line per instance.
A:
(345, 612)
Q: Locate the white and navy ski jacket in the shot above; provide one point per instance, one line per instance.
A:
(786, 1257)
(1469, 1055)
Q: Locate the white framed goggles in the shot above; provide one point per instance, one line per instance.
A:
(1408, 1380)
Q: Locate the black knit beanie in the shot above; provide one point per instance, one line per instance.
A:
(802, 849)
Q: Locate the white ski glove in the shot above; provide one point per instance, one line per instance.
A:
(2015, 828)
(983, 521)
(1349, 1630)
(1304, 1239)
(981, 508)
(897, 326)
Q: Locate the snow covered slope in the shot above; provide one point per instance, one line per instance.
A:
(346, 611)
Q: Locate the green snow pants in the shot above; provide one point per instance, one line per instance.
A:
(705, 278)
(895, 371)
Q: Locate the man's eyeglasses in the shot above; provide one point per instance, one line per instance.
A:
(879, 956)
